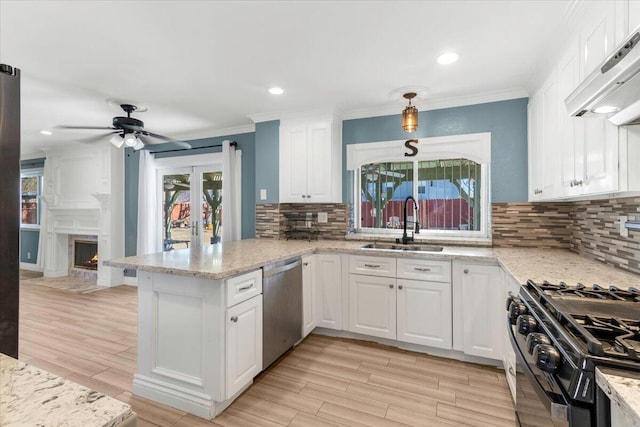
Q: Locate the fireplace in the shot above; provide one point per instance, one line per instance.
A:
(85, 255)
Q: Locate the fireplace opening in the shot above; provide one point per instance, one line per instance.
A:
(85, 255)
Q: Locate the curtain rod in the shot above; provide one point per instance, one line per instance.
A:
(233, 144)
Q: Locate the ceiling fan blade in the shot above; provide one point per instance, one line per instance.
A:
(181, 144)
(146, 141)
(87, 127)
(97, 138)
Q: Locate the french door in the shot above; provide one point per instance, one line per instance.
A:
(191, 206)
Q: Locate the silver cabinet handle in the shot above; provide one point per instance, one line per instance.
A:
(422, 269)
(466, 271)
(391, 286)
(513, 374)
(308, 196)
(304, 196)
(244, 288)
(400, 287)
(372, 265)
(234, 318)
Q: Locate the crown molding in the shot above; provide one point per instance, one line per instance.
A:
(212, 133)
(437, 104)
(297, 114)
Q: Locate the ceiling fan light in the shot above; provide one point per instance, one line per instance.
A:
(139, 145)
(410, 115)
(117, 141)
(130, 140)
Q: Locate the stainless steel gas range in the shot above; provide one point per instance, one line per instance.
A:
(560, 334)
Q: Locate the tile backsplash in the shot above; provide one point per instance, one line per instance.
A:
(272, 222)
(590, 228)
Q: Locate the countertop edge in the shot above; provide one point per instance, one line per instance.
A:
(623, 391)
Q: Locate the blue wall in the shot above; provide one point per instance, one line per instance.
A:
(268, 160)
(506, 120)
(246, 142)
(29, 237)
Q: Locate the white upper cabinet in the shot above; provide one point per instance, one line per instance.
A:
(575, 157)
(543, 142)
(310, 161)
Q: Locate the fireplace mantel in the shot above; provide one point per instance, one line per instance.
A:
(80, 185)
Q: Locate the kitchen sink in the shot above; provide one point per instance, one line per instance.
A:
(401, 247)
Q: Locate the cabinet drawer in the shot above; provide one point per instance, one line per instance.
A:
(241, 288)
(424, 269)
(373, 266)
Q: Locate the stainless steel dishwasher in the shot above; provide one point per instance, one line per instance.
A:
(282, 308)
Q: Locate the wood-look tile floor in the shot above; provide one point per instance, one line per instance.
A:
(91, 339)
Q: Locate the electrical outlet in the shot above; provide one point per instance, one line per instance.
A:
(323, 217)
(624, 232)
(28, 255)
(263, 194)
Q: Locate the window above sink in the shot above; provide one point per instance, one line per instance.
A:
(448, 176)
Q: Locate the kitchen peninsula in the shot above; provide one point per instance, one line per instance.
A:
(200, 309)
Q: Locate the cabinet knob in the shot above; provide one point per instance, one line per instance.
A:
(400, 287)
(308, 196)
(391, 286)
(466, 271)
(305, 263)
(304, 196)
(234, 318)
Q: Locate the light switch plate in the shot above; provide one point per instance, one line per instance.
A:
(323, 217)
(263, 194)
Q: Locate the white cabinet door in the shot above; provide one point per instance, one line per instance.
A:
(308, 295)
(600, 157)
(243, 344)
(319, 168)
(536, 152)
(478, 309)
(293, 163)
(309, 170)
(372, 305)
(549, 145)
(424, 313)
(511, 286)
(597, 35)
(328, 275)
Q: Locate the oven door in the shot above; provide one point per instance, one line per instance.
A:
(540, 401)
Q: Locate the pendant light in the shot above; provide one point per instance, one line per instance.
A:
(410, 114)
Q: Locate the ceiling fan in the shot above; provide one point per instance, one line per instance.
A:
(128, 131)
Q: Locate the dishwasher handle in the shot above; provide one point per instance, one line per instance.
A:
(268, 272)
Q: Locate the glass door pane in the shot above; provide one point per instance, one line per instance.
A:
(176, 209)
(210, 204)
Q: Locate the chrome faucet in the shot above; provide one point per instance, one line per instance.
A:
(405, 238)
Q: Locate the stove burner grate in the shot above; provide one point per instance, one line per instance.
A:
(608, 336)
(595, 291)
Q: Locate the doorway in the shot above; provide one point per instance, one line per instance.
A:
(190, 206)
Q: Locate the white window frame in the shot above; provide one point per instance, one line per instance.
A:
(475, 147)
(26, 173)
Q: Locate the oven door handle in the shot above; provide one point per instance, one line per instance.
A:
(558, 410)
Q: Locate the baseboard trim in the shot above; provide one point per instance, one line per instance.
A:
(30, 267)
(432, 351)
(198, 404)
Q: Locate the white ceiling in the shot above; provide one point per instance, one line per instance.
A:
(203, 67)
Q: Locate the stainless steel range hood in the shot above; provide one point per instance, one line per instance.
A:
(613, 88)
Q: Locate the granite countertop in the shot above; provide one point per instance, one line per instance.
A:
(623, 389)
(30, 396)
(232, 258)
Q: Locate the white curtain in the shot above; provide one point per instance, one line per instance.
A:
(231, 192)
(148, 215)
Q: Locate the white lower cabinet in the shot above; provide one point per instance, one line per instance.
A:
(478, 309)
(372, 305)
(424, 313)
(511, 286)
(308, 294)
(384, 305)
(243, 344)
(328, 279)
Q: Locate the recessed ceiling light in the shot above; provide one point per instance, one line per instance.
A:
(447, 58)
(606, 109)
(276, 91)
(46, 132)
